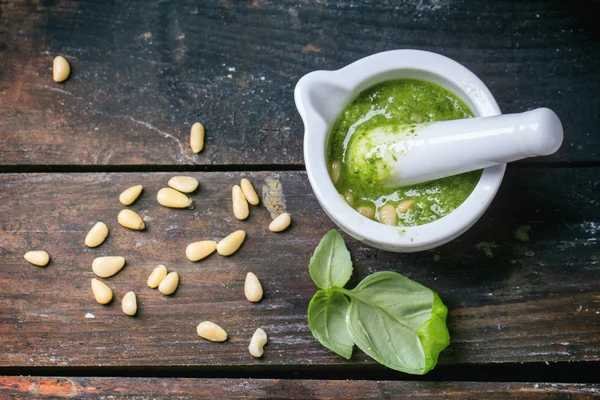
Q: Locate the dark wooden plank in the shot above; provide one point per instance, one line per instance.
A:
(510, 301)
(189, 388)
(141, 78)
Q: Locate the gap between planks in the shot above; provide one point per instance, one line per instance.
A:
(559, 372)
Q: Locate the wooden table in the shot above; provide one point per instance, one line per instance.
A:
(524, 314)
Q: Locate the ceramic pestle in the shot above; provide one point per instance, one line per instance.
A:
(401, 155)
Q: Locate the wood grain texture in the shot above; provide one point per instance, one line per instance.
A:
(510, 301)
(84, 388)
(140, 79)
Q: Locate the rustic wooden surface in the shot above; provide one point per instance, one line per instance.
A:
(84, 388)
(510, 301)
(143, 72)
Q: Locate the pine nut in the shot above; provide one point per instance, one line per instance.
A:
(131, 220)
(249, 192)
(107, 266)
(258, 341)
(173, 199)
(366, 211)
(252, 288)
(157, 276)
(37, 257)
(388, 216)
(231, 243)
(129, 304)
(168, 285)
(184, 184)
(102, 293)
(199, 250)
(60, 69)
(280, 223)
(211, 331)
(240, 205)
(96, 235)
(128, 196)
(335, 171)
(197, 137)
(405, 206)
(349, 196)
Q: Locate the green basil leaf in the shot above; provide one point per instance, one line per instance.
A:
(398, 322)
(433, 334)
(330, 265)
(327, 322)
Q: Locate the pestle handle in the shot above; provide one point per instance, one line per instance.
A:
(448, 148)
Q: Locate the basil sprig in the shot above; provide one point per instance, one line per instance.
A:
(396, 321)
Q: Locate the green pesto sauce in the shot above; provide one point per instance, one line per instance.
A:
(403, 102)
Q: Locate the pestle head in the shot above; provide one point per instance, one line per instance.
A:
(372, 154)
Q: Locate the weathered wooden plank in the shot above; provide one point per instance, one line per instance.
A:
(189, 388)
(510, 301)
(141, 79)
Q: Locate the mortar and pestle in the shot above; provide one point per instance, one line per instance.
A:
(426, 151)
